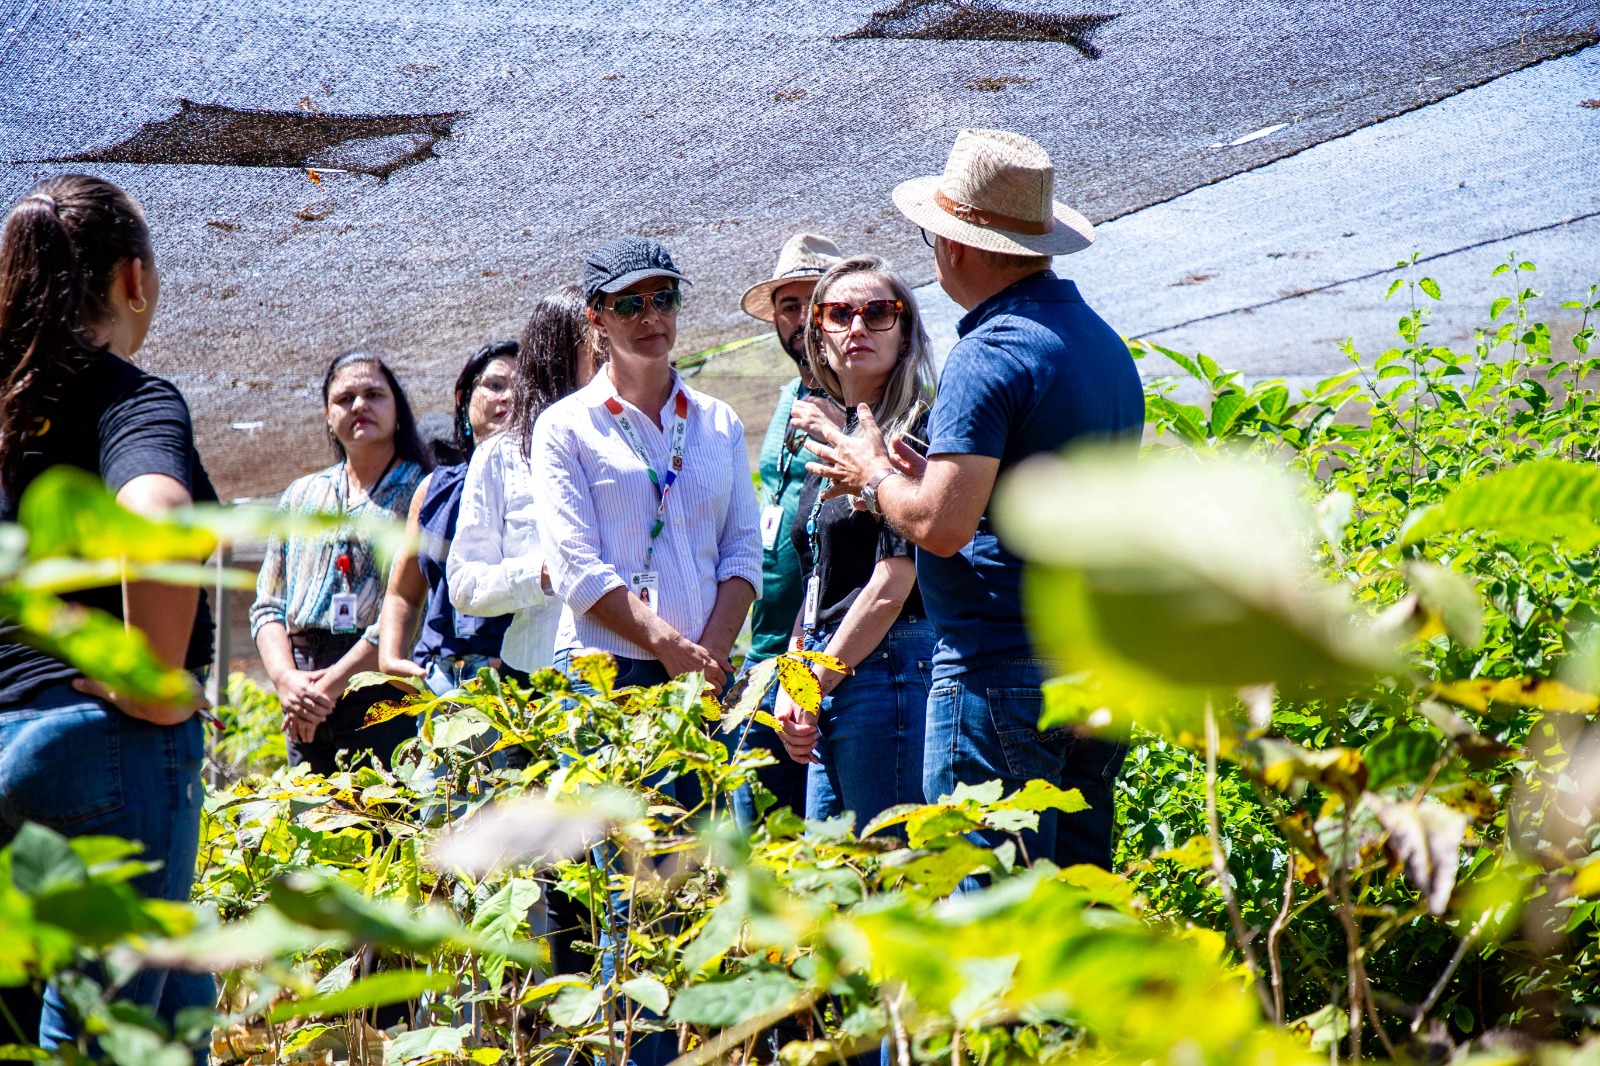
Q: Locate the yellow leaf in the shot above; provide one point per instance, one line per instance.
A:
(1586, 882)
(382, 712)
(1195, 855)
(1550, 695)
(800, 683)
(597, 669)
(823, 659)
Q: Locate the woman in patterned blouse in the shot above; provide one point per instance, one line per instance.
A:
(315, 619)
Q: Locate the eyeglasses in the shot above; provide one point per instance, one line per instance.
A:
(878, 315)
(927, 238)
(666, 301)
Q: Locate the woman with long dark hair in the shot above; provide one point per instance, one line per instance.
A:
(315, 619)
(451, 647)
(496, 564)
(78, 290)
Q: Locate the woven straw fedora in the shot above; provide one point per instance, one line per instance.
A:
(997, 193)
(805, 255)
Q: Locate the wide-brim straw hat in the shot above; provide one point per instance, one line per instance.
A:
(997, 192)
(804, 256)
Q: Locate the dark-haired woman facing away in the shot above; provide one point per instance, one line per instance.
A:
(496, 564)
(78, 289)
(315, 619)
(451, 648)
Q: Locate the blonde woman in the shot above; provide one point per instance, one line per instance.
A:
(866, 344)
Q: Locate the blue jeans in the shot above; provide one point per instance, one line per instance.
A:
(654, 1049)
(983, 725)
(871, 729)
(79, 766)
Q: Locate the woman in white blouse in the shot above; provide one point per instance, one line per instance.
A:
(496, 564)
(652, 528)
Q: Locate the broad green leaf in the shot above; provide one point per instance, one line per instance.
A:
(731, 1000)
(70, 512)
(1539, 501)
(1429, 286)
(303, 1036)
(436, 1043)
(1039, 795)
(575, 1005)
(380, 989)
(1401, 757)
(43, 861)
(1450, 597)
(647, 992)
(505, 911)
(1117, 593)
(719, 933)
(100, 646)
(134, 1045)
(1225, 412)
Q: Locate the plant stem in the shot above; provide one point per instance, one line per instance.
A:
(1352, 938)
(1219, 861)
(1449, 972)
(1280, 923)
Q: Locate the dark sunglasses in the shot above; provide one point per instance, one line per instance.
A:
(667, 301)
(878, 315)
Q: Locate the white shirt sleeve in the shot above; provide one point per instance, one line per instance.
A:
(496, 560)
(739, 542)
(569, 526)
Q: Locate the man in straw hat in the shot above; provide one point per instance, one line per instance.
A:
(783, 301)
(1034, 369)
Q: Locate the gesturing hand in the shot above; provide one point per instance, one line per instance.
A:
(850, 461)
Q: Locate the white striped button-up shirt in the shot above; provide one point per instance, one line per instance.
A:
(601, 507)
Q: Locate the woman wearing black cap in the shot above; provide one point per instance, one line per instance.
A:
(652, 533)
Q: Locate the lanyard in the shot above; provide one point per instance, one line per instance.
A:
(808, 619)
(343, 560)
(663, 484)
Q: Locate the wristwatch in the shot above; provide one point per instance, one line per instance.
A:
(869, 491)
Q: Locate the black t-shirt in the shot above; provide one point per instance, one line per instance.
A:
(108, 417)
(851, 543)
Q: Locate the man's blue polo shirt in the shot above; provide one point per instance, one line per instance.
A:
(1034, 370)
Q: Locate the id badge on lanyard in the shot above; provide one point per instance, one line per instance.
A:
(646, 583)
(344, 603)
(771, 525)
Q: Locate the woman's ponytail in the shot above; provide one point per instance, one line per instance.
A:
(59, 252)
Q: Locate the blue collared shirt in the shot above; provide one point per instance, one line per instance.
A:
(1035, 369)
